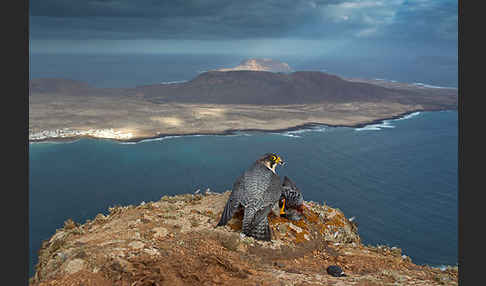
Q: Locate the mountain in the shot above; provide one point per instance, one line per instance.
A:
(302, 87)
(260, 65)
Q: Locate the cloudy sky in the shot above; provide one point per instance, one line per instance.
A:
(267, 26)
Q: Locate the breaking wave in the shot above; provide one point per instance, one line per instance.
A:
(174, 82)
(427, 85)
(297, 133)
(386, 123)
(380, 126)
(287, 134)
(408, 116)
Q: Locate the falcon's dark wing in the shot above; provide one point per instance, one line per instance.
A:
(233, 203)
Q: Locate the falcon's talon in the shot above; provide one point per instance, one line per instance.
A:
(282, 211)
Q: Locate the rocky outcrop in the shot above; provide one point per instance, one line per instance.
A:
(260, 65)
(174, 241)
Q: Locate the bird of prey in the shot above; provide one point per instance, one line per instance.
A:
(291, 201)
(257, 190)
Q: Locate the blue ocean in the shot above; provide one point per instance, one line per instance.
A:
(398, 177)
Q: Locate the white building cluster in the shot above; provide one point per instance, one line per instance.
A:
(68, 133)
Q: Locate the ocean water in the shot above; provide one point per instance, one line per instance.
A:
(398, 178)
(130, 70)
(126, 70)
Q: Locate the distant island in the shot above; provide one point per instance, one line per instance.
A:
(259, 94)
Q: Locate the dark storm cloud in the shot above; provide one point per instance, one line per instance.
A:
(208, 19)
(172, 8)
(352, 23)
(124, 8)
(425, 20)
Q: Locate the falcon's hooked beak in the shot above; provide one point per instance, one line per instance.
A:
(272, 161)
(280, 161)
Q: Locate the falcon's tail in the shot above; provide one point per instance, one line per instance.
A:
(227, 214)
(259, 227)
(261, 231)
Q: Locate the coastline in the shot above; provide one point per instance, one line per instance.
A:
(302, 126)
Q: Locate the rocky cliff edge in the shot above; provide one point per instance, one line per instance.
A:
(174, 241)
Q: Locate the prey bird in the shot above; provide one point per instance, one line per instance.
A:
(291, 201)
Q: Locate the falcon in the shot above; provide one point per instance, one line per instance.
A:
(256, 191)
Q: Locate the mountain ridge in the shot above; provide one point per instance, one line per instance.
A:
(300, 87)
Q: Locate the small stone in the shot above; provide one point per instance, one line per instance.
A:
(74, 265)
(160, 232)
(58, 236)
(100, 216)
(62, 256)
(396, 251)
(335, 271)
(136, 244)
(151, 251)
(146, 218)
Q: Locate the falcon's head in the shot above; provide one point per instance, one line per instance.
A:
(271, 160)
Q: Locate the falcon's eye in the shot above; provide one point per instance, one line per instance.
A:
(273, 158)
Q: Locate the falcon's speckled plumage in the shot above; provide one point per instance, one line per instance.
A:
(292, 198)
(256, 191)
